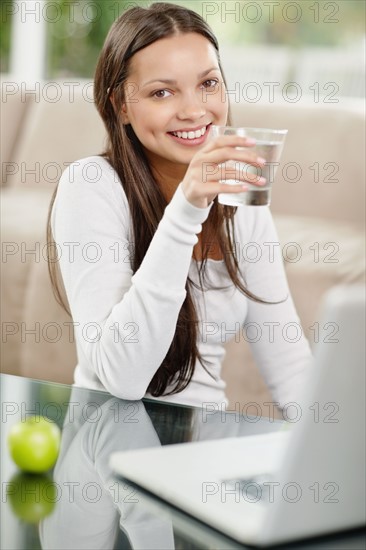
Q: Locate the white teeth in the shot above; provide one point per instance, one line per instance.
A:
(191, 135)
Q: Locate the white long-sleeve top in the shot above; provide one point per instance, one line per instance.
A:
(124, 323)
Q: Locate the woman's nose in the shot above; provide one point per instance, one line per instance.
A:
(192, 107)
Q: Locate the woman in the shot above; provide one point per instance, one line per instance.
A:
(163, 282)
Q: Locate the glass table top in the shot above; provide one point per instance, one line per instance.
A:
(81, 503)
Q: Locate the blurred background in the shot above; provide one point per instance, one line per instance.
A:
(310, 43)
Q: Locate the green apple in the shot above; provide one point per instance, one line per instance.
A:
(34, 444)
(31, 496)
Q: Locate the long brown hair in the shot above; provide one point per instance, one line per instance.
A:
(136, 29)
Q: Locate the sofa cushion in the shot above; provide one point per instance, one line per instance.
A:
(23, 231)
(57, 133)
(315, 246)
(53, 356)
(322, 170)
(339, 249)
(326, 253)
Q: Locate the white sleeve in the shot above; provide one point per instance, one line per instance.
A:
(131, 318)
(274, 331)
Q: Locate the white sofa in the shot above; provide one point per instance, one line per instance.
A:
(320, 223)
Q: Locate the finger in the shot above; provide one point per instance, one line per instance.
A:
(219, 156)
(229, 141)
(246, 171)
(216, 188)
(242, 172)
(238, 175)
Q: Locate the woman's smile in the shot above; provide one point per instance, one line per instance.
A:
(191, 137)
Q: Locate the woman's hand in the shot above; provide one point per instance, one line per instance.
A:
(201, 182)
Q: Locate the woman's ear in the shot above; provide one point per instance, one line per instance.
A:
(124, 115)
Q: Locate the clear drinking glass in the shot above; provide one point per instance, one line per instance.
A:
(269, 145)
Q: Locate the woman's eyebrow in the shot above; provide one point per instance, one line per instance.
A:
(169, 81)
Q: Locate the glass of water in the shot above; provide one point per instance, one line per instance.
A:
(269, 145)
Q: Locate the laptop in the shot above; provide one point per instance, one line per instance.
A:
(296, 483)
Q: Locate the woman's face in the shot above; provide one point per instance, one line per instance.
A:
(175, 90)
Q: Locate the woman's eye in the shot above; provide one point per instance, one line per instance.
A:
(210, 83)
(160, 94)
